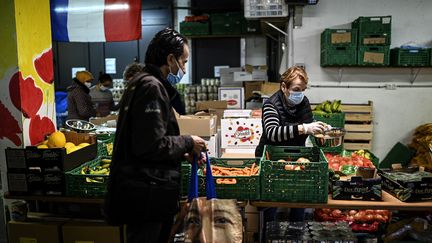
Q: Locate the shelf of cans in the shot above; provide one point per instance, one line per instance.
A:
(117, 89)
(206, 90)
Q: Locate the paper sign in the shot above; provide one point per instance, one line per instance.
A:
(374, 40)
(110, 65)
(373, 57)
(77, 69)
(337, 38)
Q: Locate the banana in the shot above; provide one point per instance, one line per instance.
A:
(106, 160)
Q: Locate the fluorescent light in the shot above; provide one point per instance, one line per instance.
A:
(93, 8)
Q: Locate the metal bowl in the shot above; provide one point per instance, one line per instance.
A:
(330, 138)
(80, 125)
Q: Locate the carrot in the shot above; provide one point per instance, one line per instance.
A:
(252, 169)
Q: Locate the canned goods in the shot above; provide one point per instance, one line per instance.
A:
(204, 89)
(202, 96)
(192, 96)
(203, 81)
(210, 96)
(212, 81)
(217, 82)
(190, 89)
(198, 89)
(192, 103)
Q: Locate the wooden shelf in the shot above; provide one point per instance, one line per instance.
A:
(59, 199)
(389, 202)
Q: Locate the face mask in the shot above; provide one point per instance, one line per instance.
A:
(103, 88)
(295, 98)
(175, 79)
(88, 84)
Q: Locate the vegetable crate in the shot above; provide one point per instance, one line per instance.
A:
(373, 56)
(105, 146)
(410, 58)
(357, 188)
(338, 56)
(308, 184)
(79, 184)
(236, 186)
(185, 178)
(372, 25)
(333, 119)
(194, 28)
(376, 39)
(338, 37)
(407, 186)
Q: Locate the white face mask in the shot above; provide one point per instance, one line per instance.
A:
(103, 88)
(88, 84)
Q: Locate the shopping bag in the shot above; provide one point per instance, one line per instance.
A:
(209, 219)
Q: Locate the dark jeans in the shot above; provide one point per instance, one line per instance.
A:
(148, 232)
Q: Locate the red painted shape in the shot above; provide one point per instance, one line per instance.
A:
(44, 66)
(14, 90)
(9, 128)
(31, 96)
(39, 128)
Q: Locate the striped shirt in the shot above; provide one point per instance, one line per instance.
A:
(274, 130)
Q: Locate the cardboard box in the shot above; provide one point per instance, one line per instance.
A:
(101, 120)
(214, 107)
(240, 132)
(86, 232)
(233, 95)
(250, 87)
(269, 88)
(33, 232)
(252, 222)
(357, 188)
(237, 113)
(242, 76)
(227, 76)
(21, 159)
(30, 182)
(204, 126)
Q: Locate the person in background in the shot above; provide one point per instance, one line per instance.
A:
(144, 183)
(102, 96)
(131, 70)
(287, 120)
(80, 105)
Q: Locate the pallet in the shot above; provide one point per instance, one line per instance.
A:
(359, 125)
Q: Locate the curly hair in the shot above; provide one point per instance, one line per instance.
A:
(292, 73)
(132, 69)
(165, 42)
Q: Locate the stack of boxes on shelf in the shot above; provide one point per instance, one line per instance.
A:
(207, 91)
(374, 38)
(366, 44)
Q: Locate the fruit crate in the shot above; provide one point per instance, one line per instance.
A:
(185, 173)
(410, 57)
(338, 56)
(377, 39)
(373, 56)
(333, 119)
(86, 185)
(242, 188)
(226, 23)
(373, 25)
(194, 28)
(105, 146)
(309, 185)
(338, 37)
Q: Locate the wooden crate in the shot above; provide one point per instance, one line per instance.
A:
(359, 125)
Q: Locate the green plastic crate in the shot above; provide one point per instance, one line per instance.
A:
(245, 188)
(338, 56)
(185, 173)
(309, 185)
(77, 184)
(102, 146)
(339, 37)
(376, 39)
(333, 119)
(337, 149)
(229, 23)
(374, 56)
(373, 25)
(226, 17)
(410, 58)
(194, 28)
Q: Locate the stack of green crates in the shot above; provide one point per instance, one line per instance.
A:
(194, 28)
(229, 23)
(308, 185)
(374, 38)
(338, 47)
(400, 57)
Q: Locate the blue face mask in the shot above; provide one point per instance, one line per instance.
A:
(295, 98)
(175, 79)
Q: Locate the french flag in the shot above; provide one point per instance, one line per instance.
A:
(95, 20)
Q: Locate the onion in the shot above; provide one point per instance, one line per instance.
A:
(336, 213)
(379, 218)
(358, 217)
(369, 211)
(326, 210)
(369, 217)
(352, 212)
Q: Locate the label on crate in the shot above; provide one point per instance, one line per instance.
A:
(337, 38)
(374, 40)
(373, 57)
(386, 20)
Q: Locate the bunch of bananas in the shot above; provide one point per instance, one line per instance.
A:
(328, 107)
(102, 169)
(422, 143)
(364, 154)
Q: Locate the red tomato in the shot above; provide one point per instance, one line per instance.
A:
(352, 212)
(369, 217)
(336, 213)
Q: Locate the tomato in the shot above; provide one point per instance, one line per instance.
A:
(369, 211)
(369, 217)
(326, 210)
(336, 213)
(358, 217)
(352, 212)
(379, 218)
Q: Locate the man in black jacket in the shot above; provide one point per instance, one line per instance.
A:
(143, 189)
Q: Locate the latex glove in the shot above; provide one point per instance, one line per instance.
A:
(313, 128)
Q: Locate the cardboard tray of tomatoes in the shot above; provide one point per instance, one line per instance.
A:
(359, 158)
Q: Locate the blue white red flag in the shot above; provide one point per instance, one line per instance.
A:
(95, 20)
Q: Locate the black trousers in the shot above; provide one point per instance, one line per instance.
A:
(157, 232)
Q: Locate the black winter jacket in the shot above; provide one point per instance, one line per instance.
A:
(147, 148)
(80, 105)
(280, 122)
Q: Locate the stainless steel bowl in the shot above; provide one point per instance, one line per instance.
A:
(80, 125)
(330, 138)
